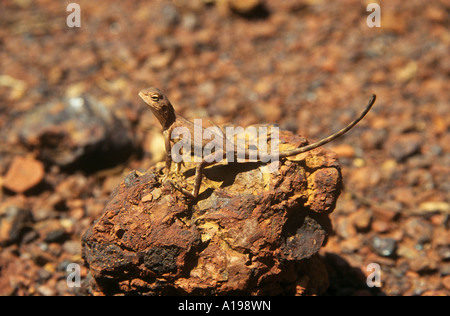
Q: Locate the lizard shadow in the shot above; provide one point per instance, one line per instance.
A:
(225, 173)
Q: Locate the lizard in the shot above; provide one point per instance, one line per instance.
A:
(164, 111)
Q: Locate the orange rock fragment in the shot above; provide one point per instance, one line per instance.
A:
(23, 174)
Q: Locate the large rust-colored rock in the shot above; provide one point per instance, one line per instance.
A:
(249, 233)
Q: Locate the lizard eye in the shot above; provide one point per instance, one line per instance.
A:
(155, 97)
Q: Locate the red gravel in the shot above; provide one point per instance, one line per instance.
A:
(309, 66)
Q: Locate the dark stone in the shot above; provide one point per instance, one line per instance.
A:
(419, 229)
(162, 260)
(401, 147)
(77, 133)
(305, 242)
(14, 223)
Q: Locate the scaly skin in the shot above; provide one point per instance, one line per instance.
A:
(161, 107)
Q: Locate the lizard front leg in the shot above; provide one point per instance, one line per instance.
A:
(166, 135)
(178, 167)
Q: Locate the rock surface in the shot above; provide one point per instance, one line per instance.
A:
(250, 232)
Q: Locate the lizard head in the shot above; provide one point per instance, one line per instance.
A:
(159, 104)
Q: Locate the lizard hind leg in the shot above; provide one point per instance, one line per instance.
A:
(182, 190)
(207, 161)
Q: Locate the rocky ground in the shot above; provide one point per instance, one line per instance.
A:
(72, 124)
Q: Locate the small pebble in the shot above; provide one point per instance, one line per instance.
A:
(444, 270)
(46, 291)
(344, 151)
(434, 207)
(444, 253)
(243, 6)
(446, 282)
(405, 146)
(385, 247)
(13, 223)
(419, 229)
(23, 174)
